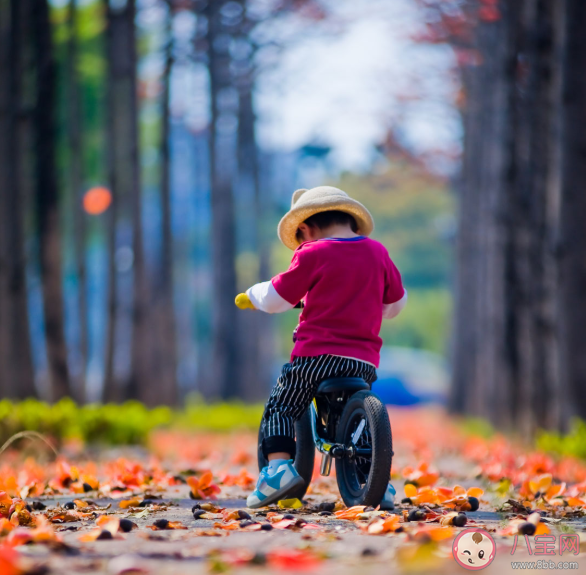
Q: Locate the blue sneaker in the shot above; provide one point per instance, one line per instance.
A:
(388, 502)
(272, 488)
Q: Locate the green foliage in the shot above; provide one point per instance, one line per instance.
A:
(113, 424)
(571, 444)
(424, 323)
(477, 426)
(219, 416)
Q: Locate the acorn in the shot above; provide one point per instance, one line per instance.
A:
(39, 506)
(526, 528)
(460, 520)
(161, 523)
(197, 513)
(105, 534)
(407, 500)
(69, 505)
(246, 522)
(243, 514)
(416, 515)
(266, 527)
(126, 525)
(288, 516)
(87, 488)
(147, 502)
(474, 503)
(326, 506)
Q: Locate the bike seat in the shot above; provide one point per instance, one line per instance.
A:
(337, 384)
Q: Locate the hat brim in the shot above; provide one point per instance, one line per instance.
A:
(289, 223)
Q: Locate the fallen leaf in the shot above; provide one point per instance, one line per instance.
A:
(290, 504)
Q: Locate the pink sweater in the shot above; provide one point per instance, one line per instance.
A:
(347, 285)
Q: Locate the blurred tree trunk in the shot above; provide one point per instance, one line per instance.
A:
(255, 333)
(224, 372)
(76, 158)
(506, 349)
(573, 208)
(5, 144)
(16, 367)
(124, 176)
(140, 361)
(114, 33)
(164, 342)
(140, 366)
(47, 202)
(480, 297)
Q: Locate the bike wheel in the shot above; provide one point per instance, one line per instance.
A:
(363, 478)
(305, 452)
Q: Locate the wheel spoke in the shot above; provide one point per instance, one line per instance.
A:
(356, 435)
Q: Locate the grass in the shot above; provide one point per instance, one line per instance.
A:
(123, 424)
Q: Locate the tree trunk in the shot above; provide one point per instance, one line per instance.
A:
(5, 144)
(140, 380)
(16, 366)
(255, 328)
(224, 372)
(507, 347)
(573, 208)
(47, 203)
(124, 177)
(165, 350)
(76, 182)
(110, 391)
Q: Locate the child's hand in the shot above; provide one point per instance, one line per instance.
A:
(242, 301)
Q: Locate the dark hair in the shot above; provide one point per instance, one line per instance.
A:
(323, 220)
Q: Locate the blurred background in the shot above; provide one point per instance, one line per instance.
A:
(148, 149)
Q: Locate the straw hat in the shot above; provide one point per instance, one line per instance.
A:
(306, 203)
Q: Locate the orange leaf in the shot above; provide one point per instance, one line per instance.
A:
(351, 513)
(410, 490)
(226, 526)
(9, 561)
(542, 529)
(126, 503)
(292, 560)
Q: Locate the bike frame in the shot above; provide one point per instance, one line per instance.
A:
(328, 450)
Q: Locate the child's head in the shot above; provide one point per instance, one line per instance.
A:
(319, 225)
(321, 212)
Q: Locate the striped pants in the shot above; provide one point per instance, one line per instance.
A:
(295, 390)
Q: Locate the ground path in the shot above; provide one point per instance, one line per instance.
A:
(431, 452)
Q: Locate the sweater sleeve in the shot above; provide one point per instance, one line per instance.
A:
(394, 289)
(265, 298)
(293, 284)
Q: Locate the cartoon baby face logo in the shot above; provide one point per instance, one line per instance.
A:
(474, 549)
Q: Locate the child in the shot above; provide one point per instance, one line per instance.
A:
(347, 284)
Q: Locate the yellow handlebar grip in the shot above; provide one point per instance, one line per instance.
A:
(242, 301)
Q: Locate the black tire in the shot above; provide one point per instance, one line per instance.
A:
(362, 481)
(305, 452)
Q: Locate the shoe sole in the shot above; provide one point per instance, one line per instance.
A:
(280, 494)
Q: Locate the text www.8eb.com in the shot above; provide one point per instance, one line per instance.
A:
(544, 564)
